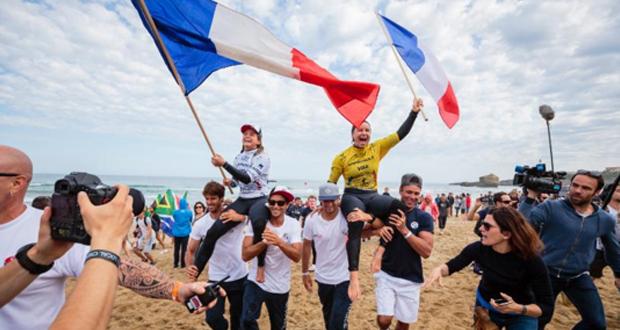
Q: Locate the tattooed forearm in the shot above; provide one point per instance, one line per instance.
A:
(144, 279)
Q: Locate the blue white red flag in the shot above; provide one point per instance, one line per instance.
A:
(426, 67)
(204, 36)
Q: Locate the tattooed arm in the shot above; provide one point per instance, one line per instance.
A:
(148, 281)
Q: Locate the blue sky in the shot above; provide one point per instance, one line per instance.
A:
(82, 87)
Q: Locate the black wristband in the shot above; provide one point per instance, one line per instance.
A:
(104, 254)
(32, 267)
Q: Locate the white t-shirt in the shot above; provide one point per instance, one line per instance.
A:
(277, 264)
(226, 258)
(37, 306)
(142, 225)
(330, 237)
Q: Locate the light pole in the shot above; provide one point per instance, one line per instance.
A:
(547, 113)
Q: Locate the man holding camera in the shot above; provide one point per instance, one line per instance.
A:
(568, 229)
(38, 304)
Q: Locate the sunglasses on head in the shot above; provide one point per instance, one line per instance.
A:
(273, 203)
(487, 225)
(9, 174)
(506, 202)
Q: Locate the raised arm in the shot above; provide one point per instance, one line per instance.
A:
(406, 126)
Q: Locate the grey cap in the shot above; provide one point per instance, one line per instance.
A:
(411, 178)
(328, 192)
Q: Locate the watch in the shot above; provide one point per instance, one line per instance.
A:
(27, 263)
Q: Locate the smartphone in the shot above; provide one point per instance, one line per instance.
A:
(211, 293)
(501, 301)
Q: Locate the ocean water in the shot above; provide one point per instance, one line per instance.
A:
(151, 186)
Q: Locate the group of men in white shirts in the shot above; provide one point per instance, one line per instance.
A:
(398, 283)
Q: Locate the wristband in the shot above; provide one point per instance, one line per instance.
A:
(175, 291)
(32, 267)
(523, 310)
(305, 274)
(104, 254)
(409, 234)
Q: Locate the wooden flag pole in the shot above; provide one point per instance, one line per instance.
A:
(400, 64)
(177, 77)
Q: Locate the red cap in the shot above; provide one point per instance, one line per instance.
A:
(246, 127)
(282, 191)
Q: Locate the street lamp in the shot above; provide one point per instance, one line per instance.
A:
(547, 113)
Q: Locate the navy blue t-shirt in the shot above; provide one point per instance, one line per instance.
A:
(400, 259)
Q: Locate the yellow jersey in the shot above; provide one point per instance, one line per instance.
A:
(360, 167)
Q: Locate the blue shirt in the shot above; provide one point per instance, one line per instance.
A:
(182, 220)
(400, 259)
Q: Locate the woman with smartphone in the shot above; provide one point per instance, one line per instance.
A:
(514, 288)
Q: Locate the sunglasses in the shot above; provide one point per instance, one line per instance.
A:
(273, 203)
(506, 202)
(198, 207)
(9, 174)
(594, 174)
(487, 226)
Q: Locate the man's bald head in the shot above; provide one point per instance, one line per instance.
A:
(15, 161)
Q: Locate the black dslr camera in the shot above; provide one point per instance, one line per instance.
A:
(67, 223)
(538, 178)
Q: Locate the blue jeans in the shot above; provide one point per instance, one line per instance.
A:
(253, 298)
(234, 293)
(336, 305)
(582, 292)
(514, 322)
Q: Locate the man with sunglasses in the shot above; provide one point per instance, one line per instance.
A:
(282, 241)
(569, 228)
(499, 199)
(39, 303)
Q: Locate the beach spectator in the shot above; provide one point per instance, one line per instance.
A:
(294, 210)
(458, 202)
(41, 202)
(225, 261)
(450, 200)
(156, 223)
(443, 207)
(327, 229)
(498, 199)
(282, 244)
(386, 191)
(359, 167)
(199, 211)
(569, 228)
(467, 202)
(39, 303)
(514, 288)
(430, 207)
(398, 283)
(250, 172)
(308, 208)
(613, 208)
(145, 238)
(181, 229)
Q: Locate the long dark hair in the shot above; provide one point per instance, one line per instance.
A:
(524, 240)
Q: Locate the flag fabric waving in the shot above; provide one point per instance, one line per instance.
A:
(165, 205)
(204, 36)
(426, 67)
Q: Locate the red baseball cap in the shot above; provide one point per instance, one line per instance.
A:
(282, 191)
(255, 128)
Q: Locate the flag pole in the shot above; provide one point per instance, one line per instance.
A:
(400, 64)
(177, 77)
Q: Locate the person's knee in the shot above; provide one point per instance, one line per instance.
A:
(384, 321)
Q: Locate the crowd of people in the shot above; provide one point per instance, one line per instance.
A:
(531, 247)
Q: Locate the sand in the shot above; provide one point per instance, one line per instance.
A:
(448, 307)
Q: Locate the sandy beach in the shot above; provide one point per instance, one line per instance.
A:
(448, 307)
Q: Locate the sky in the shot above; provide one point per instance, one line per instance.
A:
(82, 87)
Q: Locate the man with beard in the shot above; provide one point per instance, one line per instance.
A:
(568, 229)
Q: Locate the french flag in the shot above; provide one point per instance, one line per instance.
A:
(203, 36)
(426, 67)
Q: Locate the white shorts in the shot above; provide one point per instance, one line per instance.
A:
(397, 297)
(146, 246)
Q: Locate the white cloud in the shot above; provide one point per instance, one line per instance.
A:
(92, 68)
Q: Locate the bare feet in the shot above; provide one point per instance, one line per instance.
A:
(260, 275)
(354, 287)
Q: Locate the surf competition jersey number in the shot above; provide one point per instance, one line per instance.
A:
(360, 167)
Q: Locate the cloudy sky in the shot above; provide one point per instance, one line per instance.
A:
(82, 87)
